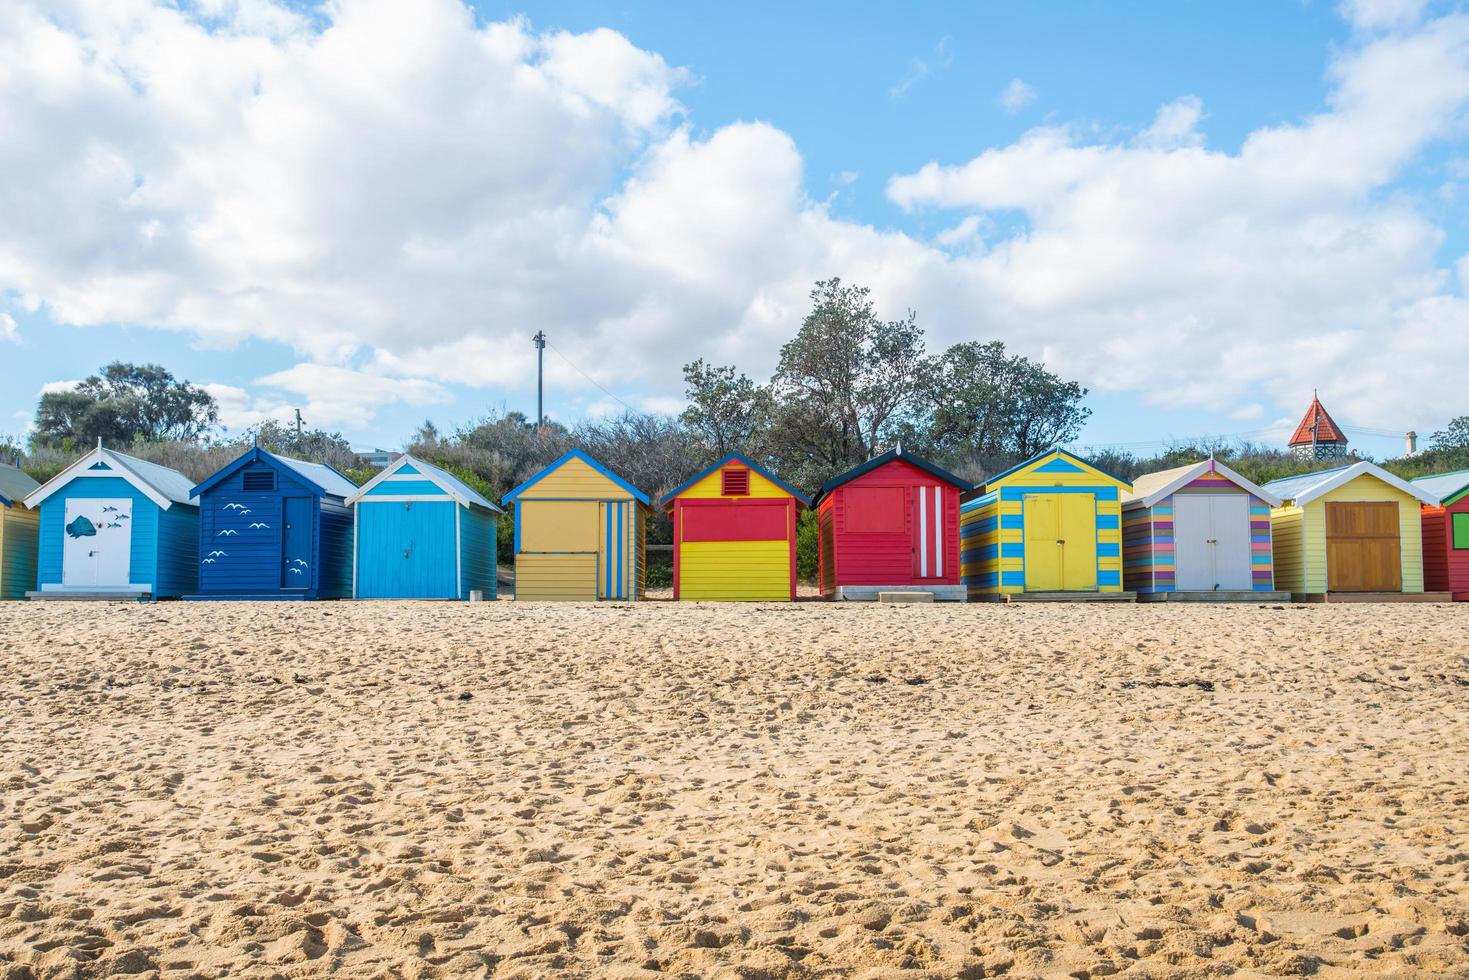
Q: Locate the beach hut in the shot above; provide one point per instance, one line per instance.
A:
(19, 529)
(272, 527)
(890, 525)
(734, 533)
(421, 533)
(1353, 531)
(1199, 531)
(580, 533)
(1446, 534)
(114, 527)
(1048, 528)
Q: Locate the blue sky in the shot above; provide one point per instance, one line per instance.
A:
(366, 212)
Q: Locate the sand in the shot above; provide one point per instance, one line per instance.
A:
(718, 790)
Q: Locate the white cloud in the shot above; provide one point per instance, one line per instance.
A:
(400, 188)
(54, 387)
(921, 68)
(1015, 96)
(8, 330)
(1380, 14)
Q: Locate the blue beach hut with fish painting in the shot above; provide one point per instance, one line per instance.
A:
(272, 527)
(114, 526)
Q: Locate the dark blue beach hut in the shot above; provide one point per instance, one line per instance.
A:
(114, 526)
(272, 527)
(422, 533)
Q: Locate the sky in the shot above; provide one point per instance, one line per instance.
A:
(364, 209)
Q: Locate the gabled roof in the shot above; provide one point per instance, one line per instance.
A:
(15, 485)
(577, 454)
(882, 459)
(1147, 490)
(1059, 454)
(163, 486)
(1327, 431)
(1301, 490)
(462, 492)
(319, 475)
(801, 498)
(1448, 487)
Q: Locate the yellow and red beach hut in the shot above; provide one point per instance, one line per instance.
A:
(734, 533)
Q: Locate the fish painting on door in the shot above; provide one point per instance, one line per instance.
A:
(96, 550)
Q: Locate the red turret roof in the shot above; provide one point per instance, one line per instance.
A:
(1326, 429)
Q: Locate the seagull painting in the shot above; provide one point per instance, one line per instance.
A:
(296, 571)
(218, 554)
(234, 506)
(208, 561)
(257, 524)
(226, 532)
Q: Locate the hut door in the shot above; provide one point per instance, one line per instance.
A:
(1211, 535)
(1363, 553)
(928, 531)
(297, 542)
(97, 543)
(615, 535)
(1060, 542)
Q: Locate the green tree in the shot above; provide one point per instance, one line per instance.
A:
(844, 384)
(987, 403)
(123, 404)
(1454, 436)
(726, 409)
(312, 445)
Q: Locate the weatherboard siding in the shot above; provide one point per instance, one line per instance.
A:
(19, 533)
(477, 551)
(562, 548)
(1300, 536)
(890, 557)
(333, 549)
(178, 551)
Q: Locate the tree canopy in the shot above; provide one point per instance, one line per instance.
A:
(123, 404)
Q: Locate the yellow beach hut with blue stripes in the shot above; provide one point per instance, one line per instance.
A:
(1052, 525)
(580, 533)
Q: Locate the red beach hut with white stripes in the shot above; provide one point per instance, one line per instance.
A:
(890, 525)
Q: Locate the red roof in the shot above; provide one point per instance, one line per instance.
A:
(1326, 430)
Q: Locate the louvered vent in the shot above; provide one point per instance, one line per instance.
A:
(736, 483)
(259, 481)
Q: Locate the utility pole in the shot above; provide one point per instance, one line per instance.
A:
(540, 342)
(298, 424)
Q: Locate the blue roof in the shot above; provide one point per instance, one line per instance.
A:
(668, 497)
(1444, 486)
(577, 454)
(319, 475)
(883, 459)
(1042, 455)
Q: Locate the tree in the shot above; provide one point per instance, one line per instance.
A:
(312, 445)
(726, 410)
(123, 404)
(844, 383)
(993, 405)
(1453, 436)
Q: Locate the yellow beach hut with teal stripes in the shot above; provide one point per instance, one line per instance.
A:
(1052, 525)
(580, 533)
(20, 529)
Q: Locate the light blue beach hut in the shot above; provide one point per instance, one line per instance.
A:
(114, 526)
(422, 533)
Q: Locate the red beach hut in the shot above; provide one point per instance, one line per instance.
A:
(1446, 534)
(890, 525)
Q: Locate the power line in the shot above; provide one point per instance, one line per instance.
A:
(593, 380)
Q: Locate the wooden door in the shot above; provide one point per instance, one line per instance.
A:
(1078, 519)
(1363, 551)
(1042, 542)
(1211, 542)
(298, 542)
(928, 531)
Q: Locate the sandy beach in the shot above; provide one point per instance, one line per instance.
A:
(705, 790)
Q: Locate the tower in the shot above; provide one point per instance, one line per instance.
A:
(1318, 437)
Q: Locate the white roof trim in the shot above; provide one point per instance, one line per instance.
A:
(1197, 470)
(425, 472)
(1364, 468)
(80, 467)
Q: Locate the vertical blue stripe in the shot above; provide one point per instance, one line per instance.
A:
(607, 562)
(517, 527)
(619, 551)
